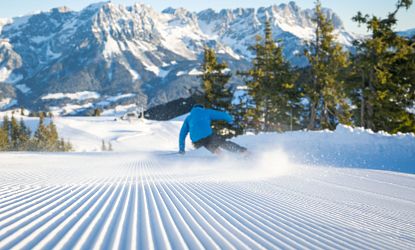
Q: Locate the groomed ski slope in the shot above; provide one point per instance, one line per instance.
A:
(298, 190)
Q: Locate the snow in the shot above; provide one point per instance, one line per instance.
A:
(239, 94)
(7, 103)
(4, 22)
(23, 88)
(157, 71)
(119, 110)
(4, 74)
(70, 109)
(134, 74)
(298, 190)
(52, 55)
(7, 76)
(41, 39)
(112, 47)
(195, 72)
(84, 95)
(120, 96)
(113, 99)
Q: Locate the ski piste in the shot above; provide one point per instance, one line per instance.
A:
(347, 189)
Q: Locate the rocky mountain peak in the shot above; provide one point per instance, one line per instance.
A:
(135, 51)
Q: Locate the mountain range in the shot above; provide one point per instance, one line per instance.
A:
(113, 56)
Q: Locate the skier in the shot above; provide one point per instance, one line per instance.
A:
(198, 123)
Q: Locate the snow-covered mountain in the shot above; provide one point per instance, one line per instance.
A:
(133, 55)
(407, 33)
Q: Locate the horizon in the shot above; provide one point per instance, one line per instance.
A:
(344, 10)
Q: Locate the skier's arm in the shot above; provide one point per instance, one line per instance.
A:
(183, 133)
(219, 116)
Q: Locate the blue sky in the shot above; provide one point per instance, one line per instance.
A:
(344, 8)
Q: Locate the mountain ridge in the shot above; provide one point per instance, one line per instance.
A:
(114, 49)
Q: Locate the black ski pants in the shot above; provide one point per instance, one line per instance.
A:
(214, 142)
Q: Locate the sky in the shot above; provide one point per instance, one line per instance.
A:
(346, 9)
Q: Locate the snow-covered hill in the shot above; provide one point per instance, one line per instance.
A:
(297, 190)
(117, 50)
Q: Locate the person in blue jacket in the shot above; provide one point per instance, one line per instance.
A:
(198, 124)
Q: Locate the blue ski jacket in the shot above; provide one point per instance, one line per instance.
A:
(198, 123)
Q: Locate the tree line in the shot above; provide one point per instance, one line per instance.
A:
(16, 136)
(373, 87)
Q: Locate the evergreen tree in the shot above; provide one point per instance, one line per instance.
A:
(17, 137)
(4, 139)
(67, 146)
(52, 137)
(326, 92)
(110, 146)
(5, 134)
(24, 136)
(217, 94)
(41, 135)
(97, 112)
(385, 66)
(64, 146)
(103, 146)
(271, 87)
(14, 134)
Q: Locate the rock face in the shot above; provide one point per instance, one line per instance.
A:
(146, 57)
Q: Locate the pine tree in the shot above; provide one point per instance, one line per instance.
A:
(4, 140)
(326, 92)
(24, 136)
(97, 112)
(5, 134)
(385, 66)
(110, 146)
(41, 136)
(67, 146)
(103, 146)
(14, 134)
(271, 86)
(217, 94)
(52, 137)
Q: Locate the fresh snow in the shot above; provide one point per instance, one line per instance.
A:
(84, 95)
(348, 189)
